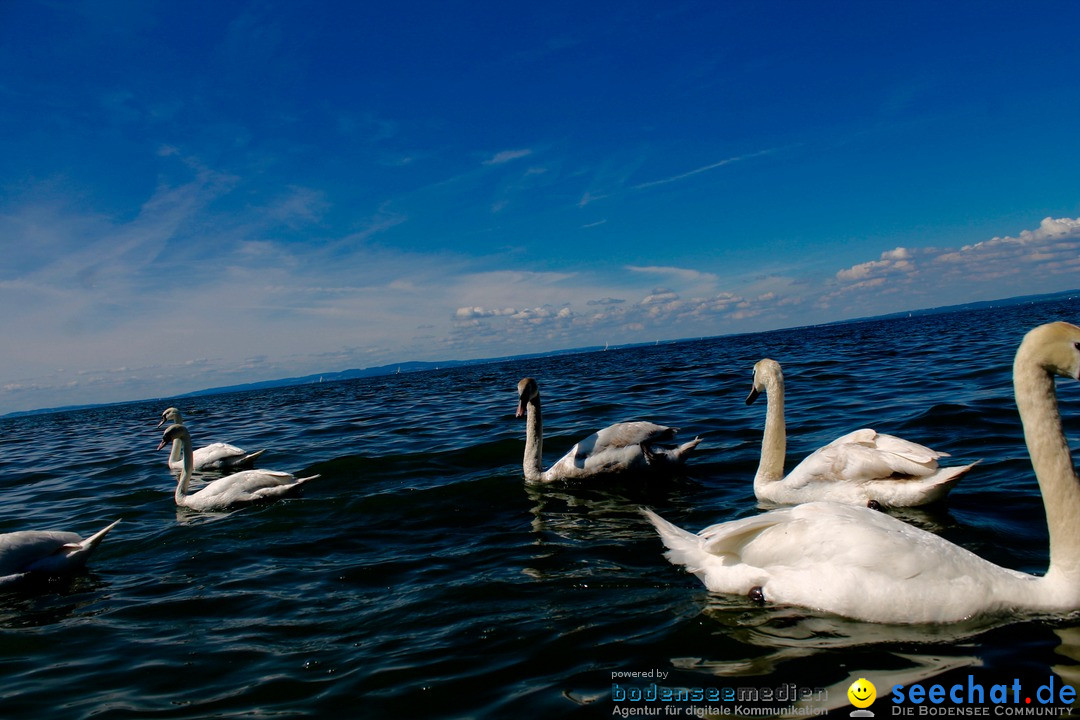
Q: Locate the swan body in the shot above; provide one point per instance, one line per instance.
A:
(215, 456)
(246, 486)
(867, 565)
(45, 552)
(620, 448)
(860, 468)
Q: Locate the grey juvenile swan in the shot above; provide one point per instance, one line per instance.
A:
(621, 448)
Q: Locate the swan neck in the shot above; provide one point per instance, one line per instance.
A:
(185, 473)
(774, 441)
(534, 441)
(1052, 461)
(176, 452)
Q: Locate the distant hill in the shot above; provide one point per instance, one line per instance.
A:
(405, 367)
(328, 377)
(421, 366)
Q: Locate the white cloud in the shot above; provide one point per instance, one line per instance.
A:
(892, 261)
(995, 268)
(1050, 229)
(659, 295)
(472, 313)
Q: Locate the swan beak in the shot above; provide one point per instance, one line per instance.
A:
(162, 422)
(520, 409)
(754, 392)
(161, 444)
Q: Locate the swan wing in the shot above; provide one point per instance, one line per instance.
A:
(618, 443)
(244, 487)
(19, 551)
(277, 491)
(246, 482)
(784, 537)
(860, 563)
(628, 434)
(865, 456)
(843, 559)
(853, 537)
(905, 448)
(616, 448)
(222, 455)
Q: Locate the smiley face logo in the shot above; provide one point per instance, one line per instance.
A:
(862, 693)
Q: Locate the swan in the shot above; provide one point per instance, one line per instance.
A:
(45, 552)
(619, 448)
(215, 456)
(246, 486)
(867, 565)
(863, 467)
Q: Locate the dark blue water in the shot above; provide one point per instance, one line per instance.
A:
(420, 577)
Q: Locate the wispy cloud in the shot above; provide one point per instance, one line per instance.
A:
(685, 274)
(612, 180)
(505, 156)
(703, 169)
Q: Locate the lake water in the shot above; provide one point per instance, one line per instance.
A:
(420, 577)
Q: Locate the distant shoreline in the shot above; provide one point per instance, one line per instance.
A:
(416, 366)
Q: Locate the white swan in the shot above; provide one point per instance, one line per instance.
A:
(246, 486)
(862, 467)
(620, 448)
(868, 565)
(215, 456)
(45, 552)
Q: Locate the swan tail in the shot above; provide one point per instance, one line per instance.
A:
(684, 450)
(948, 477)
(683, 547)
(655, 456)
(249, 459)
(919, 491)
(301, 481)
(73, 555)
(90, 544)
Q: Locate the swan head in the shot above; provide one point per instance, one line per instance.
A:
(1055, 347)
(766, 372)
(170, 414)
(528, 391)
(174, 432)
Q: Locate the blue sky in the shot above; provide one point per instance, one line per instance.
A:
(195, 194)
